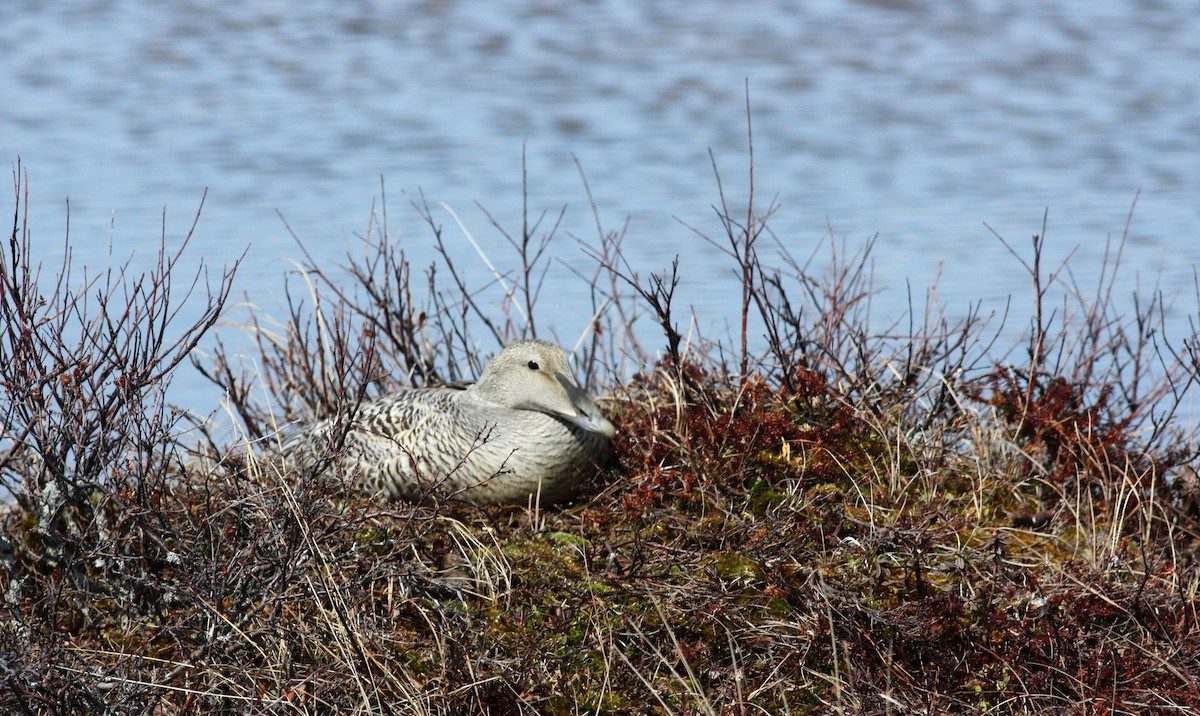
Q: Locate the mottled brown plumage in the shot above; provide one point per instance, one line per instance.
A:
(524, 430)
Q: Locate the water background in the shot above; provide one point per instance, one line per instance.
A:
(913, 122)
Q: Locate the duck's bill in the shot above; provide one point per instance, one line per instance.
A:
(595, 423)
(587, 415)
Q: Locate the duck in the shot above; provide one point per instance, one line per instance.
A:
(524, 433)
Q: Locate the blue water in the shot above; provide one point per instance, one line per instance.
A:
(913, 122)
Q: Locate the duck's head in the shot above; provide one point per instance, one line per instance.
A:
(536, 375)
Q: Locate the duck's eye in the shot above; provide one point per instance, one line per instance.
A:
(533, 365)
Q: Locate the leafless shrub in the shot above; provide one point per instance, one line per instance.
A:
(365, 329)
(813, 320)
(85, 367)
(89, 447)
(1098, 395)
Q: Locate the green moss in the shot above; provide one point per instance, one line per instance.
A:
(736, 569)
(568, 539)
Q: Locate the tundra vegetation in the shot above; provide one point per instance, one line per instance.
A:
(809, 513)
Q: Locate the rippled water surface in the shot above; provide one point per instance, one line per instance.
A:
(916, 122)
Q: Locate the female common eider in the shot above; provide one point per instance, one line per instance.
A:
(525, 431)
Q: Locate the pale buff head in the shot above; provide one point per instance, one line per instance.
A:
(536, 375)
